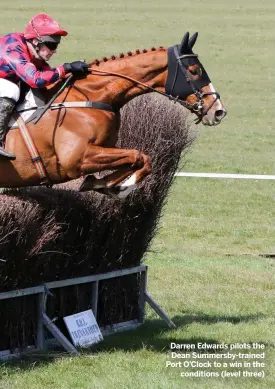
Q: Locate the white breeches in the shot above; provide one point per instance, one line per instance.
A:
(9, 89)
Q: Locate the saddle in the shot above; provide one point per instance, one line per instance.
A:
(28, 106)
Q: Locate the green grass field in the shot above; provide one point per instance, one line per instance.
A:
(204, 265)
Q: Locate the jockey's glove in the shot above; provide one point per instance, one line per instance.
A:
(77, 68)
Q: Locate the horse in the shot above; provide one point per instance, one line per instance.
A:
(80, 140)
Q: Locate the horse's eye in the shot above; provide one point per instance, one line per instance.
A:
(195, 71)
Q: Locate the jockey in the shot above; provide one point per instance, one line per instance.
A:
(23, 57)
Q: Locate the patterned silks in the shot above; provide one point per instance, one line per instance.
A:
(18, 63)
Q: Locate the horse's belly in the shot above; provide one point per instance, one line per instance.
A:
(16, 173)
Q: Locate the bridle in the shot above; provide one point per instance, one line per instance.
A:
(196, 107)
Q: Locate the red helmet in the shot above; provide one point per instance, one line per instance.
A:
(43, 25)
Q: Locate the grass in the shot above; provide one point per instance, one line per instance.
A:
(220, 217)
(204, 265)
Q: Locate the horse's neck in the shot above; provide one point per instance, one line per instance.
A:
(149, 68)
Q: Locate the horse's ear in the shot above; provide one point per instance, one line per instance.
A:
(184, 43)
(192, 40)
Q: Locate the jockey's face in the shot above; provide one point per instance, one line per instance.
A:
(45, 52)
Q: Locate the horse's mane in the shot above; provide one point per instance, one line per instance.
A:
(122, 55)
(56, 86)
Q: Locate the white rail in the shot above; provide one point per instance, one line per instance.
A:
(222, 175)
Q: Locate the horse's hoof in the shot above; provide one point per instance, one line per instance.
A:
(115, 192)
(127, 186)
(126, 191)
(88, 183)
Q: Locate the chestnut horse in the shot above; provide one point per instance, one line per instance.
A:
(78, 141)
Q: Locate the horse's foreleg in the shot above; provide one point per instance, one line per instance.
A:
(125, 163)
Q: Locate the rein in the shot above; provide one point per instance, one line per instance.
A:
(170, 97)
(47, 106)
(196, 107)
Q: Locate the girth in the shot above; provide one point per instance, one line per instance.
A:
(36, 116)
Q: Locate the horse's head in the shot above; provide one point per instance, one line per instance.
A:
(188, 81)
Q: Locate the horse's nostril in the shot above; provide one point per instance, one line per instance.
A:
(219, 114)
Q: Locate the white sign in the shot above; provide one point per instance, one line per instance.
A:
(83, 328)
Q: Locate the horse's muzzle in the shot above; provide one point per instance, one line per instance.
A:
(215, 117)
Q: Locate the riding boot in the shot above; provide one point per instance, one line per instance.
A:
(6, 107)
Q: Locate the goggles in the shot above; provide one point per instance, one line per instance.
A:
(51, 45)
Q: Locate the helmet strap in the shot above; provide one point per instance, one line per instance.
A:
(37, 33)
(36, 47)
